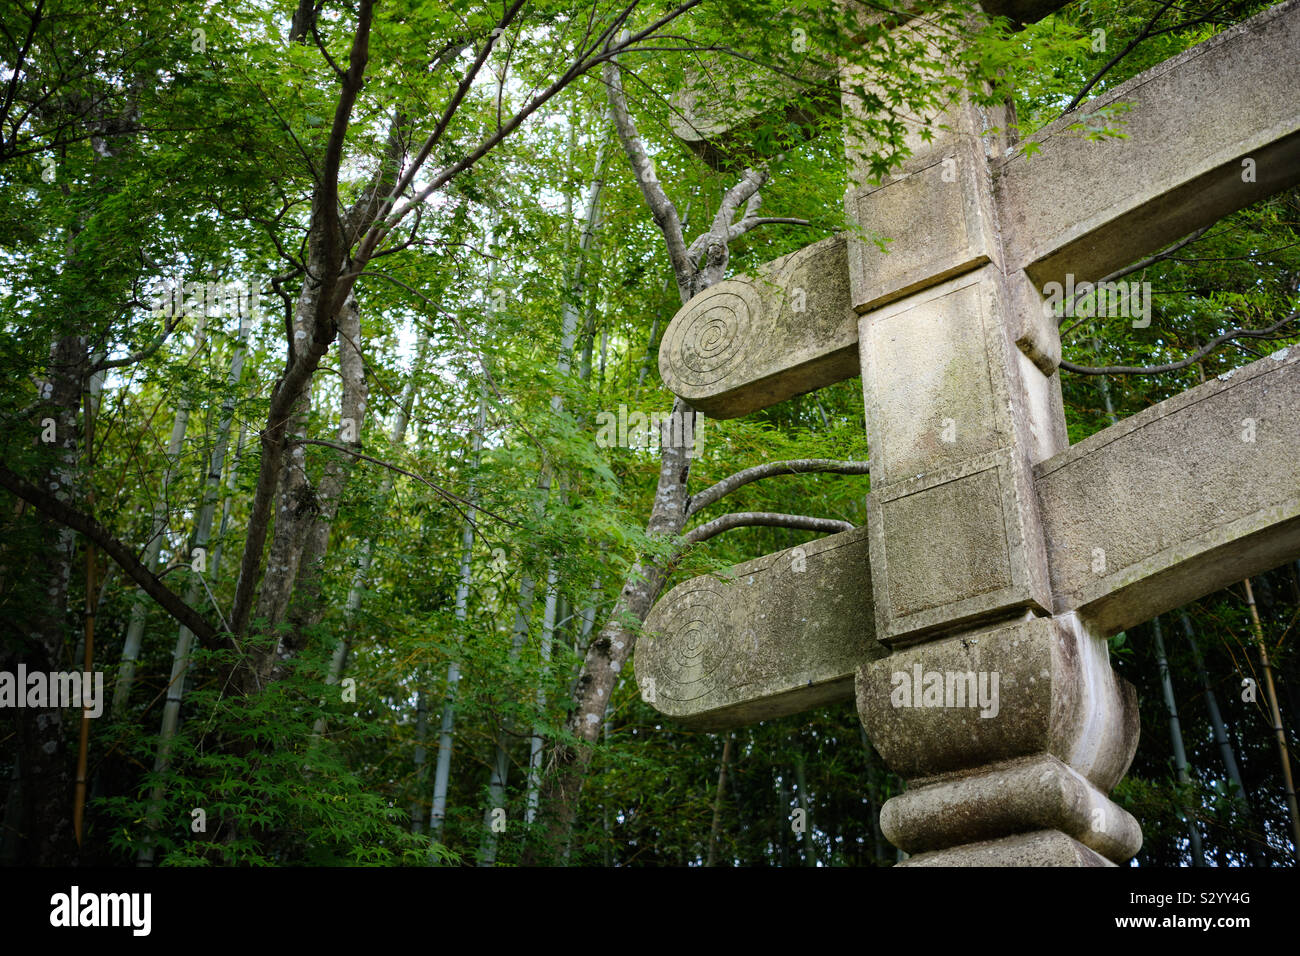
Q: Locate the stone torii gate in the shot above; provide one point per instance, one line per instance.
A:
(970, 615)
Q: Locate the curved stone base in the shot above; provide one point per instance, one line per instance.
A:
(1041, 848)
(1022, 794)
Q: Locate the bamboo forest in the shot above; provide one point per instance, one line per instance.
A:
(356, 475)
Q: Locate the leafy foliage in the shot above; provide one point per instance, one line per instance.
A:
(179, 162)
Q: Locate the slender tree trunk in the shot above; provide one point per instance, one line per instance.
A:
(1104, 386)
(500, 767)
(421, 769)
(1221, 736)
(715, 831)
(1276, 715)
(1212, 707)
(544, 655)
(196, 590)
(158, 525)
(442, 775)
(90, 416)
(740, 801)
(1176, 739)
(809, 847)
(229, 497)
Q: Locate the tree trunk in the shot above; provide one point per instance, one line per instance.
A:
(291, 591)
(158, 525)
(1176, 739)
(716, 830)
(46, 791)
(1278, 732)
(1212, 707)
(1221, 735)
(195, 590)
(544, 655)
(438, 813)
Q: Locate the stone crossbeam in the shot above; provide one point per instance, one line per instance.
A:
(770, 637)
(1181, 500)
(748, 343)
(1076, 207)
(1089, 208)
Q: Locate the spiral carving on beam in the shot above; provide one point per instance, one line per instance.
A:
(690, 651)
(709, 338)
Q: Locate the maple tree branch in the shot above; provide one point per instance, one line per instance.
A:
(92, 530)
(661, 207)
(169, 326)
(1198, 355)
(765, 519)
(740, 228)
(451, 497)
(1096, 77)
(794, 466)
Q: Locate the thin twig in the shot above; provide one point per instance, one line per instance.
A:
(765, 519)
(1270, 332)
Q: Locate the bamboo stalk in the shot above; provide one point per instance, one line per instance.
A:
(88, 664)
(88, 654)
(809, 848)
(1278, 733)
(1222, 742)
(1176, 740)
(715, 830)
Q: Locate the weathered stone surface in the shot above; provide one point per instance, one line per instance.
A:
(979, 519)
(713, 113)
(987, 561)
(748, 343)
(1174, 503)
(929, 397)
(1056, 694)
(940, 201)
(716, 109)
(782, 634)
(1088, 208)
(1042, 848)
(943, 383)
(1033, 793)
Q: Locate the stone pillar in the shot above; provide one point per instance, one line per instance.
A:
(962, 400)
(1020, 778)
